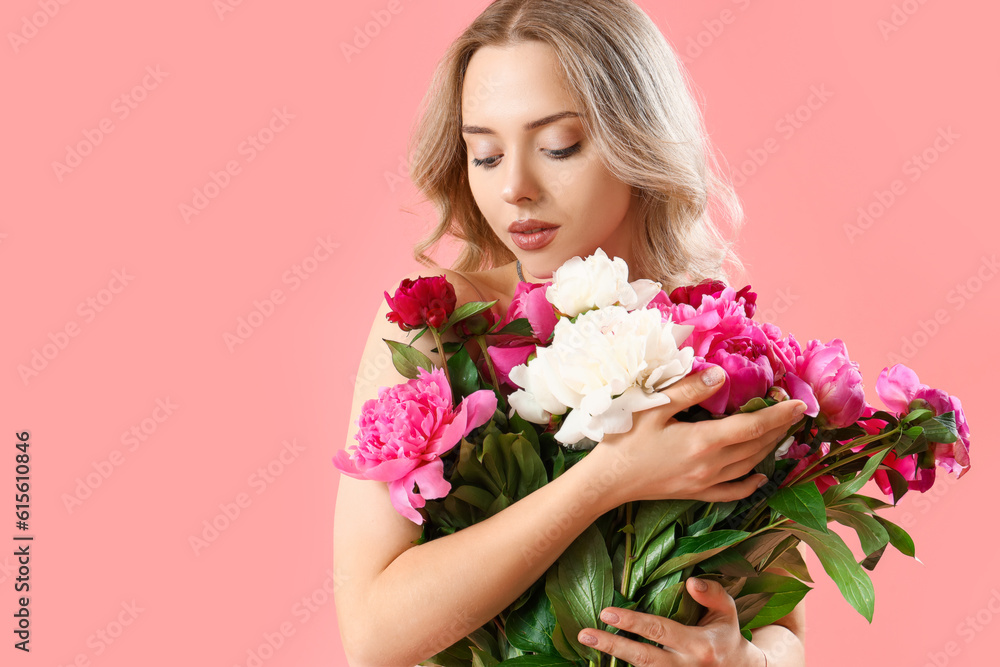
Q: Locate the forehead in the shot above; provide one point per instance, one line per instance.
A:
(519, 82)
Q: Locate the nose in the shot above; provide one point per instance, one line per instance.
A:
(520, 181)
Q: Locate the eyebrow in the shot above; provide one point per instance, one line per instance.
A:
(528, 127)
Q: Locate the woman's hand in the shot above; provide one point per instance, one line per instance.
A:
(661, 457)
(716, 640)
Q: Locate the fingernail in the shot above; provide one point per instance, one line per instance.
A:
(700, 585)
(799, 409)
(762, 482)
(712, 376)
(588, 640)
(609, 617)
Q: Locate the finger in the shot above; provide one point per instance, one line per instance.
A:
(688, 391)
(628, 650)
(736, 455)
(661, 630)
(750, 426)
(714, 598)
(724, 492)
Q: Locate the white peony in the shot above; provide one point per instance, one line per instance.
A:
(582, 284)
(604, 366)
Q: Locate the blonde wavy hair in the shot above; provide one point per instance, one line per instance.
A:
(638, 112)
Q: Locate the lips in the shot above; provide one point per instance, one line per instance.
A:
(529, 225)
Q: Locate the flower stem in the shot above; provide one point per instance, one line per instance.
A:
(493, 375)
(444, 359)
(627, 570)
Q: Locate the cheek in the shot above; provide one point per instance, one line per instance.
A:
(599, 196)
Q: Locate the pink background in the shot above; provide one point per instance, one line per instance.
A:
(321, 186)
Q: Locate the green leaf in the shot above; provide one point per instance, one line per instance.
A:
(463, 374)
(898, 537)
(898, 484)
(748, 605)
(941, 428)
(653, 517)
(756, 403)
(466, 310)
(537, 661)
(533, 475)
(870, 532)
(579, 585)
(519, 327)
(717, 513)
(730, 562)
(481, 658)
(530, 627)
(691, 550)
(835, 493)
(791, 561)
(756, 549)
(649, 559)
(786, 592)
(801, 503)
(408, 359)
(663, 597)
(916, 415)
(838, 561)
(872, 503)
(475, 496)
(472, 470)
(872, 559)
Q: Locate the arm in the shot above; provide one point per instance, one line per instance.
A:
(783, 641)
(399, 603)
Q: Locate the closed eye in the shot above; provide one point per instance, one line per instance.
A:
(559, 154)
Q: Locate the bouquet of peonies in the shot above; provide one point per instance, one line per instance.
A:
(571, 361)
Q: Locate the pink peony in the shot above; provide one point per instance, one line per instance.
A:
(422, 302)
(901, 391)
(404, 432)
(822, 376)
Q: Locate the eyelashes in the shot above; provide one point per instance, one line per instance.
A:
(561, 154)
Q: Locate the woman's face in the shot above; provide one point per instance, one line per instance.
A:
(529, 159)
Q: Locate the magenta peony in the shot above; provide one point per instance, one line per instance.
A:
(508, 351)
(404, 432)
(426, 301)
(723, 336)
(901, 391)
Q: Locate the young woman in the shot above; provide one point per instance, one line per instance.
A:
(552, 128)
